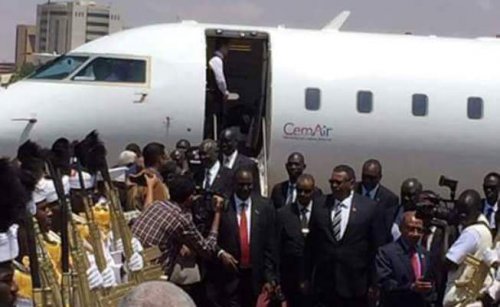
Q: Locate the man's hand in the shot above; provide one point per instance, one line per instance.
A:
(421, 286)
(304, 287)
(226, 97)
(218, 203)
(268, 287)
(151, 179)
(185, 251)
(229, 261)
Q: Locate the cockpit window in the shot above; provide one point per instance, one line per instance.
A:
(60, 68)
(114, 70)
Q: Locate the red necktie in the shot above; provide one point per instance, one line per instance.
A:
(415, 264)
(244, 246)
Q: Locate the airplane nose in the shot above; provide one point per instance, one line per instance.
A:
(15, 127)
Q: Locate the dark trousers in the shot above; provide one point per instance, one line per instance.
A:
(235, 290)
(214, 106)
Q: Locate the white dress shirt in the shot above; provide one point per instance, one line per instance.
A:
(487, 207)
(230, 160)
(217, 66)
(291, 193)
(248, 212)
(213, 171)
(467, 243)
(372, 193)
(308, 212)
(344, 213)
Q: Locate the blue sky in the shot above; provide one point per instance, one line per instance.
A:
(459, 18)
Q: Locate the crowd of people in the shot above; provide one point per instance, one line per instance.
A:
(224, 244)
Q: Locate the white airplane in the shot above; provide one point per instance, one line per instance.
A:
(424, 106)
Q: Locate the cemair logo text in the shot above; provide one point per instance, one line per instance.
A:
(316, 132)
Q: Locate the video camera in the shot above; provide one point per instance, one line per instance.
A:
(439, 211)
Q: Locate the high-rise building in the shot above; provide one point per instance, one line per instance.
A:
(63, 26)
(25, 44)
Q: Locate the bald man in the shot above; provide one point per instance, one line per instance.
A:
(402, 266)
(285, 193)
(474, 240)
(157, 294)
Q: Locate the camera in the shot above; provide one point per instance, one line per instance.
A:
(206, 197)
(439, 211)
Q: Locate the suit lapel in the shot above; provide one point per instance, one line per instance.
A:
(233, 221)
(329, 203)
(353, 215)
(405, 261)
(284, 191)
(255, 216)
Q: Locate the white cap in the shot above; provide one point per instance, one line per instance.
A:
(39, 194)
(74, 181)
(50, 192)
(9, 248)
(117, 174)
(65, 182)
(126, 157)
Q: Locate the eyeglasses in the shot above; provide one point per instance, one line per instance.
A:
(306, 191)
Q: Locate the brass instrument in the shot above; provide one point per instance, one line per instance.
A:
(48, 275)
(477, 271)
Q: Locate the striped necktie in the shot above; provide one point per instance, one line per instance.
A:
(337, 218)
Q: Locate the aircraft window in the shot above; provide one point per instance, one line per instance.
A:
(59, 68)
(365, 102)
(114, 70)
(313, 99)
(475, 107)
(419, 104)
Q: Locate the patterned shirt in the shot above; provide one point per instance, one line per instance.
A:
(164, 224)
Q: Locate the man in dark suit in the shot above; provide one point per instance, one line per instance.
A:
(402, 267)
(211, 178)
(292, 229)
(285, 192)
(491, 188)
(246, 229)
(232, 159)
(344, 235)
(371, 187)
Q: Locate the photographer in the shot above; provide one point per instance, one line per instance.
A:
(163, 224)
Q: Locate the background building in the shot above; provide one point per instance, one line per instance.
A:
(63, 26)
(25, 44)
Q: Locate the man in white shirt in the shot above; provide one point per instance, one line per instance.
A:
(491, 188)
(474, 240)
(217, 89)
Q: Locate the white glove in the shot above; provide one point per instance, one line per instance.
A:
(108, 277)
(490, 256)
(119, 246)
(136, 245)
(135, 263)
(94, 277)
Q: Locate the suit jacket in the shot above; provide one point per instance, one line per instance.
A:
(344, 268)
(262, 242)
(395, 274)
(389, 202)
(497, 217)
(291, 243)
(280, 192)
(202, 211)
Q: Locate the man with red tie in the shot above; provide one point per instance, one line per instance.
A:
(246, 229)
(403, 267)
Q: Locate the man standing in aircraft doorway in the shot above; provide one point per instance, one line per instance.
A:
(217, 92)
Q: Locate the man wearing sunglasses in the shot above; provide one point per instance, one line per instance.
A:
(371, 187)
(344, 236)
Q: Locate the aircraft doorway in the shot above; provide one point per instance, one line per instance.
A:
(246, 71)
